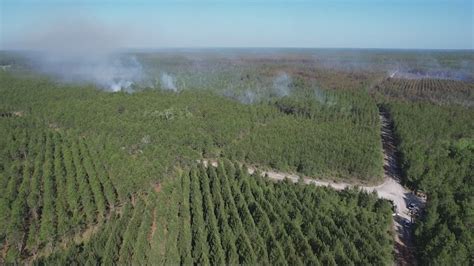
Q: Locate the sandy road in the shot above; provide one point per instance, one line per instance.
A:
(390, 189)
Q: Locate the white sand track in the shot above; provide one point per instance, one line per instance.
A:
(390, 189)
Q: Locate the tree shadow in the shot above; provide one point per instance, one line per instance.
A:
(404, 249)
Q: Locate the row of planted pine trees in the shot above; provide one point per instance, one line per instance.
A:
(223, 215)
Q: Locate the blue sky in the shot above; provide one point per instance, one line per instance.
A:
(425, 24)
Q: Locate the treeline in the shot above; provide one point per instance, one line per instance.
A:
(224, 216)
(53, 186)
(437, 150)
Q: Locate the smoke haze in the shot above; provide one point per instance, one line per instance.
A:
(281, 85)
(83, 50)
(168, 82)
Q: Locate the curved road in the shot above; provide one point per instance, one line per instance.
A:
(390, 189)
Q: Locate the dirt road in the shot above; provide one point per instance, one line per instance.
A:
(390, 189)
(404, 249)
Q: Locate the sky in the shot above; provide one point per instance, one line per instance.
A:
(401, 24)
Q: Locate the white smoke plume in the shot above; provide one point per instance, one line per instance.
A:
(431, 67)
(440, 73)
(248, 97)
(168, 82)
(81, 50)
(324, 98)
(281, 85)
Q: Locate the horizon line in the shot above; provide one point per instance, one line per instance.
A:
(259, 48)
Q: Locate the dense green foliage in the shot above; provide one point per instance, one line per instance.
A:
(93, 177)
(145, 133)
(223, 215)
(123, 239)
(53, 186)
(76, 164)
(335, 129)
(437, 148)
